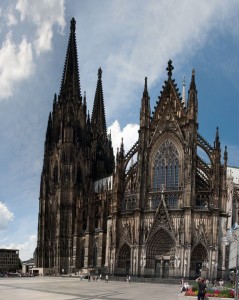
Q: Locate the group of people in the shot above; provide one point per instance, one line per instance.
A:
(202, 284)
(185, 286)
(201, 287)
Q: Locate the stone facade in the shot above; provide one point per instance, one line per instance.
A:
(158, 210)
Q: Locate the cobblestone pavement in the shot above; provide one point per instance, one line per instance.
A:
(69, 288)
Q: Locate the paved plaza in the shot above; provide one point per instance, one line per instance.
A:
(68, 288)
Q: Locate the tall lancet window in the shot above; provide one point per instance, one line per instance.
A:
(166, 167)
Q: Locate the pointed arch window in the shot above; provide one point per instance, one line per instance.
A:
(166, 167)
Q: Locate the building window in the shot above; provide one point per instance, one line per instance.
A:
(166, 167)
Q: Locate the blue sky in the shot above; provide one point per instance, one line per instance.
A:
(128, 40)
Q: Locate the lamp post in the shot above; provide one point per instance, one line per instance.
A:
(230, 238)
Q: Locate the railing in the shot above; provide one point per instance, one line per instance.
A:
(166, 189)
(171, 199)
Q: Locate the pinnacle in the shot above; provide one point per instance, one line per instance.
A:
(99, 73)
(73, 25)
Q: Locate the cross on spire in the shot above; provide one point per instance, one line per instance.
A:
(170, 68)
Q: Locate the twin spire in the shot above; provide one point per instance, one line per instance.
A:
(70, 86)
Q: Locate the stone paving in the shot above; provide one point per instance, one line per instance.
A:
(68, 288)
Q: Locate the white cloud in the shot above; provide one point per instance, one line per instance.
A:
(15, 64)
(11, 19)
(44, 14)
(129, 134)
(5, 216)
(26, 249)
(139, 38)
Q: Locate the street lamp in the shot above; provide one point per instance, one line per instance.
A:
(232, 238)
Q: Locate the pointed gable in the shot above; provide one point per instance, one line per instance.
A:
(161, 218)
(170, 99)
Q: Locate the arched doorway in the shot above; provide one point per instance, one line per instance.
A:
(198, 257)
(160, 250)
(123, 264)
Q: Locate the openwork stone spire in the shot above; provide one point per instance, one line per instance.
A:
(70, 85)
(98, 114)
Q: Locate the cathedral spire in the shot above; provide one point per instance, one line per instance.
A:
(48, 132)
(192, 84)
(122, 146)
(225, 157)
(145, 94)
(192, 99)
(98, 114)
(145, 106)
(70, 84)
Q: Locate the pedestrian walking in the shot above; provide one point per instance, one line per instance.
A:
(106, 278)
(201, 288)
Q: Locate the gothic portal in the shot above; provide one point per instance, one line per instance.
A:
(158, 210)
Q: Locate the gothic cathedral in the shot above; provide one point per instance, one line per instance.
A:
(158, 210)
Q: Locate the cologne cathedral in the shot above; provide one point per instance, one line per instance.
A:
(158, 210)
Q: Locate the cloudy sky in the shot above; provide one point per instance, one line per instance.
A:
(128, 40)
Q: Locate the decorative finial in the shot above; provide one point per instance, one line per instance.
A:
(99, 73)
(73, 25)
(170, 68)
(145, 83)
(192, 84)
(145, 93)
(225, 154)
(217, 132)
(184, 92)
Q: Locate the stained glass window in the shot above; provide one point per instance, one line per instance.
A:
(166, 167)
